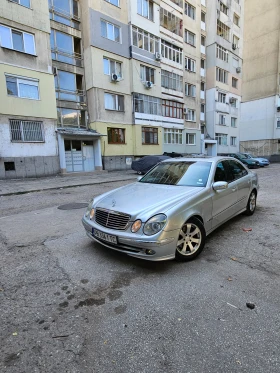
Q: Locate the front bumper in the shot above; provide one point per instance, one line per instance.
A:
(163, 244)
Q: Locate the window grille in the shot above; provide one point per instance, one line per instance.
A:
(26, 131)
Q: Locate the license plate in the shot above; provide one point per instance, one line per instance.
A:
(104, 236)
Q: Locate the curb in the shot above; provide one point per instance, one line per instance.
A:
(62, 187)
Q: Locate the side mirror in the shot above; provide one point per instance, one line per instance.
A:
(220, 185)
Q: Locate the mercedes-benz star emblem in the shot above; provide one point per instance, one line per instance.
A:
(113, 203)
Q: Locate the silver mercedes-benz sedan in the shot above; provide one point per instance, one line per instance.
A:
(169, 212)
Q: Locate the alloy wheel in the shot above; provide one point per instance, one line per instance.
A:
(190, 238)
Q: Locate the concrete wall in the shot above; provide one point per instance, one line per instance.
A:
(45, 107)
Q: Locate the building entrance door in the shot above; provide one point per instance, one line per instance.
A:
(88, 156)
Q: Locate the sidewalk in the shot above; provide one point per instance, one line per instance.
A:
(22, 186)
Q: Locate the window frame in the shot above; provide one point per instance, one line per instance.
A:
(192, 87)
(147, 72)
(26, 81)
(221, 138)
(221, 75)
(233, 141)
(188, 137)
(223, 8)
(19, 3)
(114, 27)
(187, 38)
(121, 133)
(222, 97)
(150, 5)
(236, 17)
(173, 107)
(234, 83)
(175, 136)
(190, 9)
(192, 63)
(221, 53)
(170, 80)
(9, 44)
(151, 130)
(222, 119)
(223, 30)
(110, 2)
(116, 104)
(170, 50)
(191, 113)
(146, 38)
(109, 65)
(22, 131)
(147, 104)
(234, 121)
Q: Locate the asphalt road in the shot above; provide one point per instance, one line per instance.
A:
(68, 305)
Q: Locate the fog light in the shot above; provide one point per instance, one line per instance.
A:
(150, 252)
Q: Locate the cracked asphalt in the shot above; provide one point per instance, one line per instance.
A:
(69, 305)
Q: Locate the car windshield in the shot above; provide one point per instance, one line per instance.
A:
(179, 173)
(242, 156)
(248, 156)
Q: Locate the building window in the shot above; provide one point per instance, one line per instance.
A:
(223, 8)
(233, 102)
(26, 131)
(66, 48)
(146, 9)
(190, 65)
(278, 123)
(190, 10)
(203, 17)
(233, 141)
(22, 87)
(17, 40)
(235, 83)
(149, 135)
(222, 119)
(116, 135)
(65, 12)
(233, 122)
(172, 23)
(202, 63)
(147, 104)
(171, 80)
(173, 136)
(190, 38)
(236, 19)
(191, 115)
(202, 41)
(222, 97)
(114, 102)
(69, 86)
(190, 138)
(143, 40)
(202, 108)
(178, 2)
(222, 30)
(172, 109)
(114, 2)
(171, 52)
(221, 138)
(221, 53)
(71, 118)
(110, 31)
(147, 74)
(221, 75)
(25, 3)
(190, 90)
(112, 67)
(202, 86)
(235, 42)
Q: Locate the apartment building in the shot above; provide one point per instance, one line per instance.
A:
(224, 52)
(28, 145)
(260, 108)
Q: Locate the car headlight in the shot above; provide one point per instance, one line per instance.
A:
(90, 211)
(155, 224)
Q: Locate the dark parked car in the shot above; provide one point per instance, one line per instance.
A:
(249, 162)
(262, 161)
(144, 164)
(173, 154)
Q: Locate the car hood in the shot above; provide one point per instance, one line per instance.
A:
(261, 159)
(143, 200)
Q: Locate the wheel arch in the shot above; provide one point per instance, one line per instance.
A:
(197, 217)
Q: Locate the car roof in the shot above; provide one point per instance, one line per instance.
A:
(198, 159)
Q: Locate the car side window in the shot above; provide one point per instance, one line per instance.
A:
(220, 174)
(236, 170)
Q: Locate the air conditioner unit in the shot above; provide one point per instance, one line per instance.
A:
(234, 46)
(158, 56)
(115, 78)
(278, 108)
(238, 69)
(148, 84)
(54, 71)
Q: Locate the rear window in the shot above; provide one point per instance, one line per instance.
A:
(179, 173)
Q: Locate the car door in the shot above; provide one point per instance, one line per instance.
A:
(224, 202)
(240, 175)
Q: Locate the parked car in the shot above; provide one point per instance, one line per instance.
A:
(173, 154)
(143, 165)
(262, 161)
(169, 212)
(250, 163)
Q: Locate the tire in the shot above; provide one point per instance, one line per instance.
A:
(251, 204)
(191, 240)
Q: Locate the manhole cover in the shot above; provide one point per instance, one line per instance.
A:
(73, 206)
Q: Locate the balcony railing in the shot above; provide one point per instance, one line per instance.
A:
(68, 95)
(62, 16)
(63, 55)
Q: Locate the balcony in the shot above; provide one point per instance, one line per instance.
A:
(67, 95)
(202, 49)
(202, 95)
(65, 56)
(203, 26)
(202, 117)
(202, 72)
(65, 12)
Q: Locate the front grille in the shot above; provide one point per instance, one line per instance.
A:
(111, 219)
